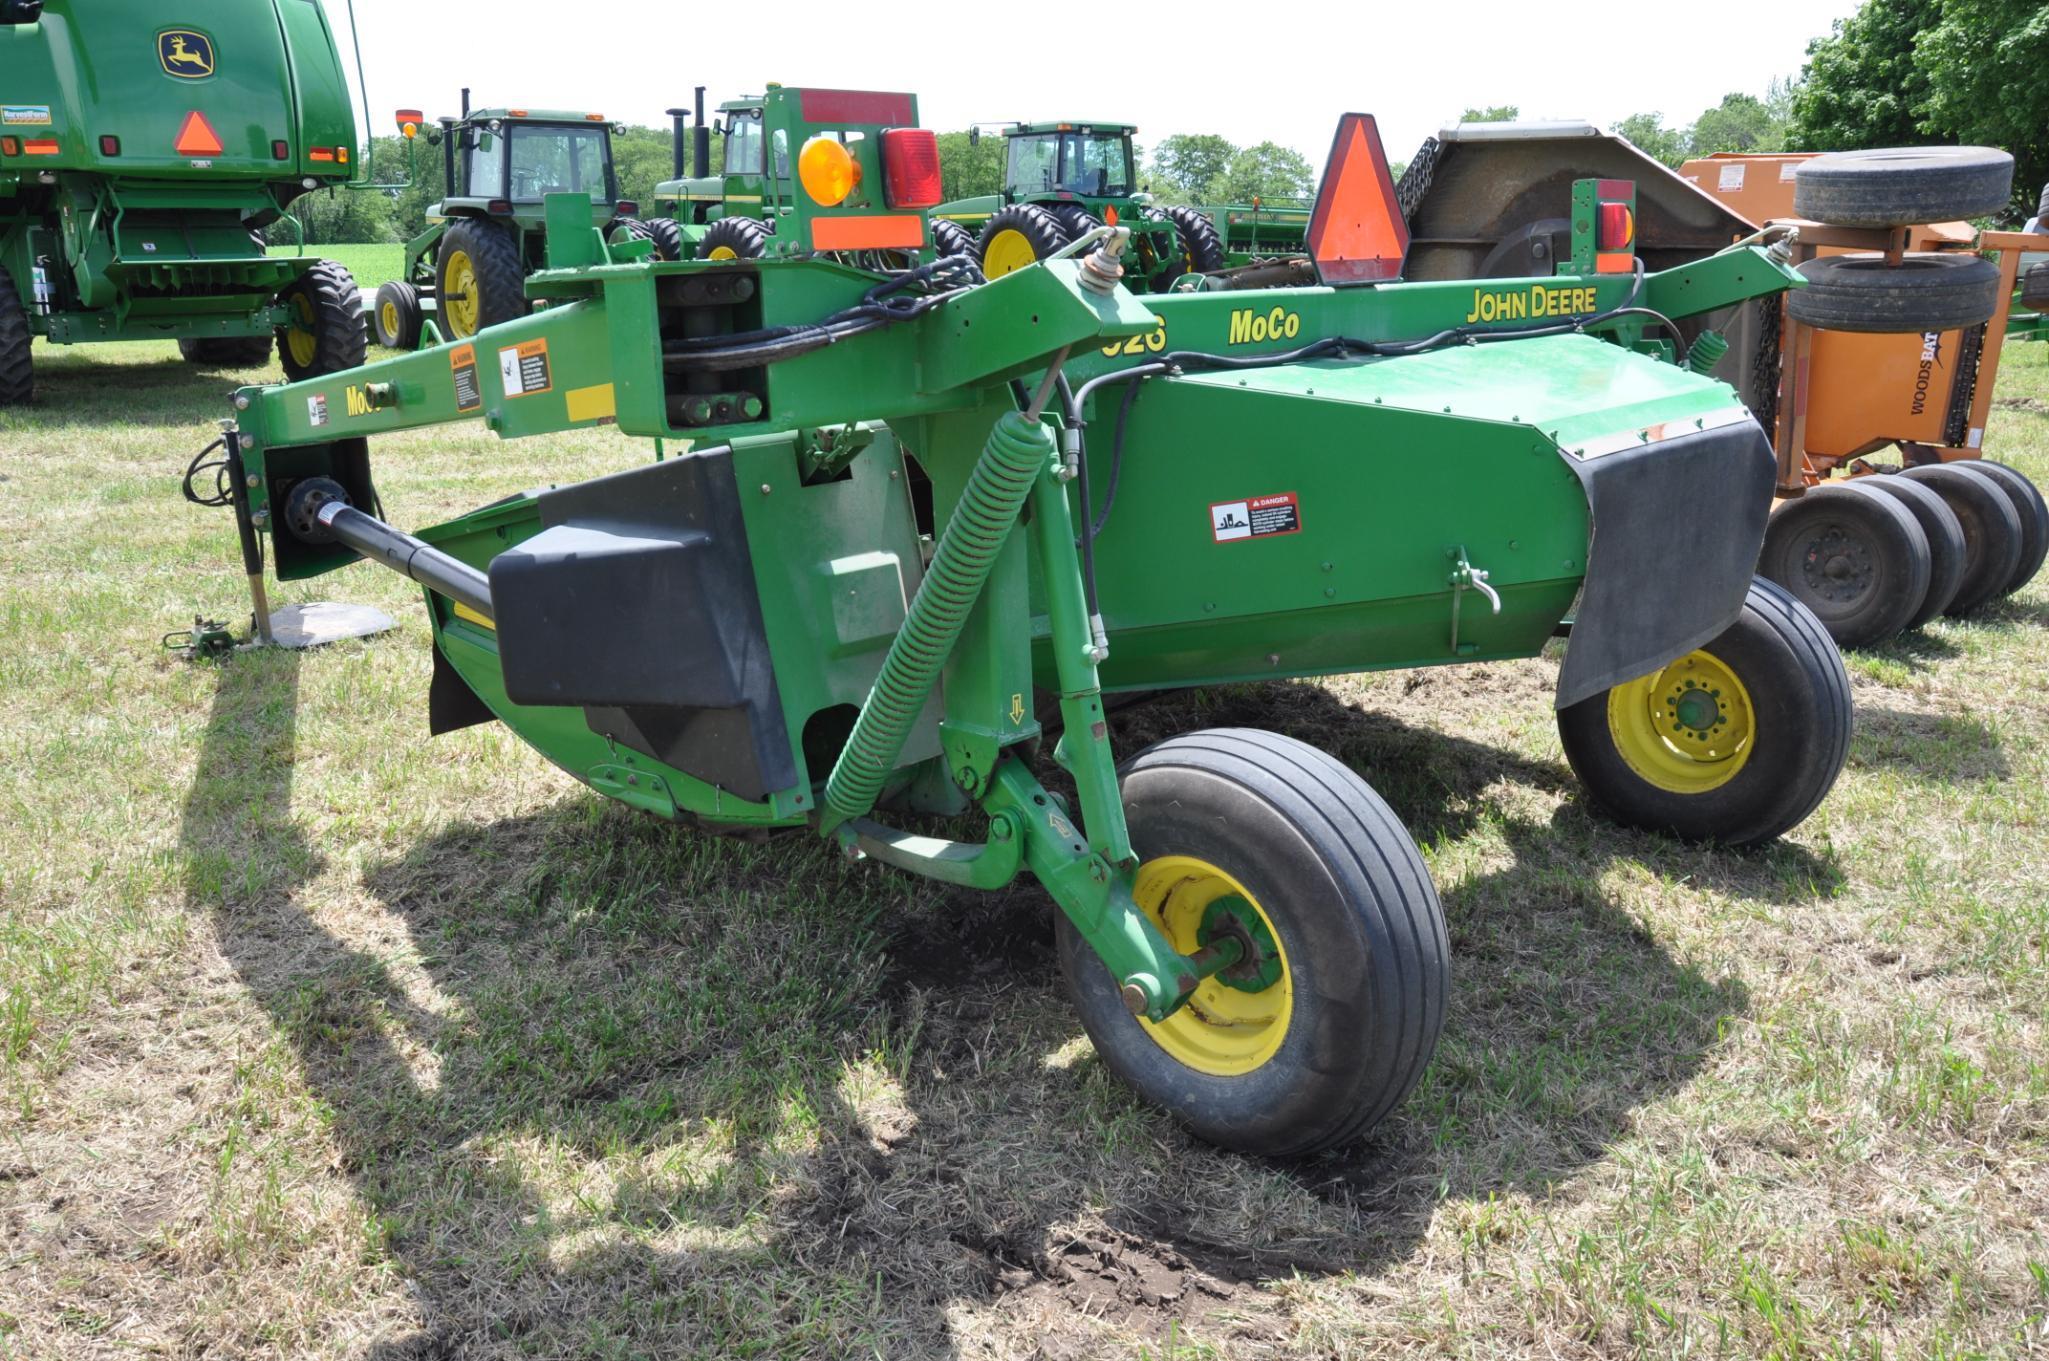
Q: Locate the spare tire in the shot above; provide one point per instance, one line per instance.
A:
(2035, 287)
(1903, 186)
(1926, 291)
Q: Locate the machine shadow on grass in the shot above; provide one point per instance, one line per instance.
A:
(76, 393)
(714, 1096)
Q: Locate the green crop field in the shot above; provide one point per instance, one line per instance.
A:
(320, 1038)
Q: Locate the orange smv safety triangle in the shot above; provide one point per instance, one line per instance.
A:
(197, 137)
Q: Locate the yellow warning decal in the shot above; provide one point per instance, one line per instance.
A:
(463, 611)
(591, 403)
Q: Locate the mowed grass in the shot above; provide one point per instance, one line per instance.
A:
(320, 1038)
(370, 264)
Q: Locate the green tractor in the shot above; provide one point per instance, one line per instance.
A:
(143, 150)
(916, 501)
(1064, 180)
(468, 269)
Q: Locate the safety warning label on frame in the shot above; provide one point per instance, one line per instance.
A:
(524, 368)
(462, 365)
(1255, 517)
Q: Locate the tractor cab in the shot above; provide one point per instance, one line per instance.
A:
(503, 162)
(1070, 162)
(754, 179)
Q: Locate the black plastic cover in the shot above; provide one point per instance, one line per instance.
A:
(637, 602)
(1678, 525)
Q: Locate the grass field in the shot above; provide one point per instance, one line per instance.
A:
(319, 1038)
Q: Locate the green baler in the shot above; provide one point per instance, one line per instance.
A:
(919, 510)
(143, 149)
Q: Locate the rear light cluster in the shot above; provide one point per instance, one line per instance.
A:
(910, 167)
(336, 154)
(34, 146)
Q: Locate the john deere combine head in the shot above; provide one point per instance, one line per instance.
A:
(915, 501)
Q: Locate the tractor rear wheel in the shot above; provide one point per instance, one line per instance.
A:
(950, 238)
(1331, 1016)
(1202, 250)
(17, 369)
(396, 316)
(667, 234)
(325, 332)
(479, 278)
(734, 238)
(1992, 531)
(2034, 513)
(1860, 562)
(1735, 743)
(1926, 291)
(1903, 186)
(1945, 539)
(1019, 235)
(226, 352)
(1074, 219)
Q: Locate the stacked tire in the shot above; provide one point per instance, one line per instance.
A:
(1876, 555)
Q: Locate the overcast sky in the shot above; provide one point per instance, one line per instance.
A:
(1282, 73)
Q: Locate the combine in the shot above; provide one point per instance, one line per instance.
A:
(916, 501)
(141, 157)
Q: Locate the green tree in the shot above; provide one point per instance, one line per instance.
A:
(1185, 165)
(969, 167)
(1862, 86)
(1493, 113)
(1647, 133)
(1741, 122)
(1268, 170)
(1988, 76)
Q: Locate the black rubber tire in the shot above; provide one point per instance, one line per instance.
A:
(1926, 291)
(500, 274)
(667, 234)
(2035, 286)
(1074, 219)
(1201, 247)
(1040, 229)
(17, 368)
(2033, 512)
(1800, 699)
(1903, 186)
(950, 238)
(1356, 915)
(400, 330)
(1945, 535)
(1992, 531)
(226, 352)
(628, 229)
(336, 324)
(1861, 563)
(746, 237)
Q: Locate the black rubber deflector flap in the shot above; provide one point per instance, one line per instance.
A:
(1678, 525)
(637, 602)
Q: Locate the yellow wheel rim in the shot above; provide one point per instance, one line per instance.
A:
(1222, 1029)
(723, 253)
(1009, 250)
(299, 334)
(1687, 729)
(388, 314)
(459, 302)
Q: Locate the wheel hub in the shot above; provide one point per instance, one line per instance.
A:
(1688, 729)
(1838, 566)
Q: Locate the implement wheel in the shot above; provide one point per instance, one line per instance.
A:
(396, 315)
(667, 234)
(17, 373)
(325, 333)
(1735, 743)
(1945, 535)
(479, 279)
(2035, 287)
(226, 352)
(1859, 560)
(2033, 512)
(1926, 291)
(1992, 531)
(950, 238)
(1022, 234)
(1327, 1022)
(734, 238)
(1902, 186)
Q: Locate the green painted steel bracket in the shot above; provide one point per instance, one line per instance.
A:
(1008, 328)
(1722, 279)
(985, 865)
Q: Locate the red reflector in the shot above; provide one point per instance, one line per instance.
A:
(280, 151)
(1618, 228)
(110, 146)
(10, 146)
(41, 146)
(319, 153)
(910, 165)
(197, 137)
(854, 107)
(1357, 234)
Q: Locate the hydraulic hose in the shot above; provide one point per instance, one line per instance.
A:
(1019, 448)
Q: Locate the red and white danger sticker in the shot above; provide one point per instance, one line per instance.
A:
(1255, 517)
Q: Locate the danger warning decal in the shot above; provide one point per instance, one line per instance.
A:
(1255, 517)
(524, 368)
(462, 365)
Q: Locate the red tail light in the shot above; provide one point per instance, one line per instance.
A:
(10, 146)
(43, 146)
(910, 165)
(1618, 227)
(320, 153)
(627, 207)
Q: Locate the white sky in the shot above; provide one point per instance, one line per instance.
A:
(1283, 73)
